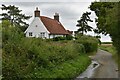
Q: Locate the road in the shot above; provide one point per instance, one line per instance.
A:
(108, 68)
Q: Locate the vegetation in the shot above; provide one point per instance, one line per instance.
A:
(14, 16)
(108, 20)
(90, 43)
(68, 37)
(38, 58)
(83, 23)
(111, 49)
(107, 43)
(41, 58)
(96, 31)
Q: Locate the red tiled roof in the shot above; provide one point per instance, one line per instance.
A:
(53, 26)
(70, 32)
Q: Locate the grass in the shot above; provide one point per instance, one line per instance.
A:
(38, 58)
(68, 69)
(110, 48)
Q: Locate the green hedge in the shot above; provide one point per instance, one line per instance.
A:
(68, 37)
(68, 69)
(38, 58)
(106, 42)
(90, 43)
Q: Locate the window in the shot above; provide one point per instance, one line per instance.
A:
(42, 34)
(30, 33)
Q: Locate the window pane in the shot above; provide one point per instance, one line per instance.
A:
(30, 33)
(42, 34)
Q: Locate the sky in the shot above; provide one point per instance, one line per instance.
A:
(69, 11)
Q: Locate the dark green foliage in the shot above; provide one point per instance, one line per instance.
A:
(68, 69)
(83, 23)
(32, 58)
(59, 38)
(106, 42)
(90, 43)
(14, 16)
(68, 37)
(108, 20)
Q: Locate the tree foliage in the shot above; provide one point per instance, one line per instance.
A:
(83, 23)
(100, 10)
(108, 20)
(14, 15)
(32, 58)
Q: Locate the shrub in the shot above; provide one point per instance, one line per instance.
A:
(90, 43)
(35, 57)
(59, 38)
(68, 37)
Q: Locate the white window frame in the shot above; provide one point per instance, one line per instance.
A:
(30, 34)
(42, 34)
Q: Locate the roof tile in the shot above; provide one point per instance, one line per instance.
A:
(53, 26)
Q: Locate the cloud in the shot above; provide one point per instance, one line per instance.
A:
(69, 12)
(105, 38)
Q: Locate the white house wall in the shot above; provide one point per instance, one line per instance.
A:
(52, 36)
(36, 29)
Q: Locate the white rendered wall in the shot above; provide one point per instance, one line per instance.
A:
(36, 30)
(52, 36)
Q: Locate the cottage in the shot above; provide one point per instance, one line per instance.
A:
(45, 27)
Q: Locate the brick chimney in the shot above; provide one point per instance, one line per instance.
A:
(37, 12)
(56, 16)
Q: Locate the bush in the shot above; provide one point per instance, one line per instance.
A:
(59, 38)
(37, 58)
(68, 37)
(90, 43)
(30, 57)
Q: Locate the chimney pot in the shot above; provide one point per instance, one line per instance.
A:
(56, 16)
(37, 12)
(36, 8)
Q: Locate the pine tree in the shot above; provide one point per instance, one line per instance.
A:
(14, 15)
(83, 23)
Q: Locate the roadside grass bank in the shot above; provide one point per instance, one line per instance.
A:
(38, 58)
(68, 69)
(110, 48)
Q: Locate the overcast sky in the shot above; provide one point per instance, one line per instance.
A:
(69, 10)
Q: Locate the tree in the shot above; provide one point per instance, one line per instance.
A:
(100, 10)
(83, 23)
(96, 31)
(14, 15)
(108, 20)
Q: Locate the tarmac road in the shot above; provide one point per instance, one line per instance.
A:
(108, 68)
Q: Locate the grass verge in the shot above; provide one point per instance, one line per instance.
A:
(68, 69)
(38, 58)
(111, 49)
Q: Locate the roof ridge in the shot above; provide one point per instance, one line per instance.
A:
(47, 17)
(51, 19)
